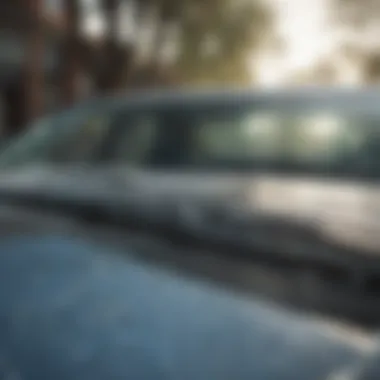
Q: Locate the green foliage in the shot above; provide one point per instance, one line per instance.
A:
(372, 68)
(217, 39)
(362, 18)
(218, 42)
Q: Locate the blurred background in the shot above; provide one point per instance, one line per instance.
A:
(54, 53)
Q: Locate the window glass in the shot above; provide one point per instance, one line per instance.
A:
(264, 134)
(317, 138)
(85, 142)
(309, 141)
(312, 141)
(246, 137)
(332, 143)
(136, 139)
(71, 136)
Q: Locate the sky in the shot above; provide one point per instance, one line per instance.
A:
(305, 28)
(304, 24)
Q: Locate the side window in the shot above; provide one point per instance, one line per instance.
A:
(364, 147)
(247, 138)
(264, 133)
(85, 141)
(135, 139)
(332, 143)
(317, 139)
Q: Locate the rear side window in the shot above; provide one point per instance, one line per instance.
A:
(334, 144)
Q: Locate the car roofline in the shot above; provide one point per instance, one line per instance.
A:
(194, 97)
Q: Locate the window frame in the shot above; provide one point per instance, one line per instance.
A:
(185, 116)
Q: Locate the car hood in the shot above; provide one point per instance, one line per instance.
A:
(69, 306)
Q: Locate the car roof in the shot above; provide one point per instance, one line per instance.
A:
(366, 99)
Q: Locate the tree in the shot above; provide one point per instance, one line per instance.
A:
(218, 38)
(372, 68)
(357, 14)
(71, 62)
(360, 19)
(211, 41)
(34, 64)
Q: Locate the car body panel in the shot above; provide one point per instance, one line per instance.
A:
(71, 309)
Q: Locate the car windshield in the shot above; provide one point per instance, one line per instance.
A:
(53, 139)
(29, 144)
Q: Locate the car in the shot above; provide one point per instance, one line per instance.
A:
(142, 235)
(287, 179)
